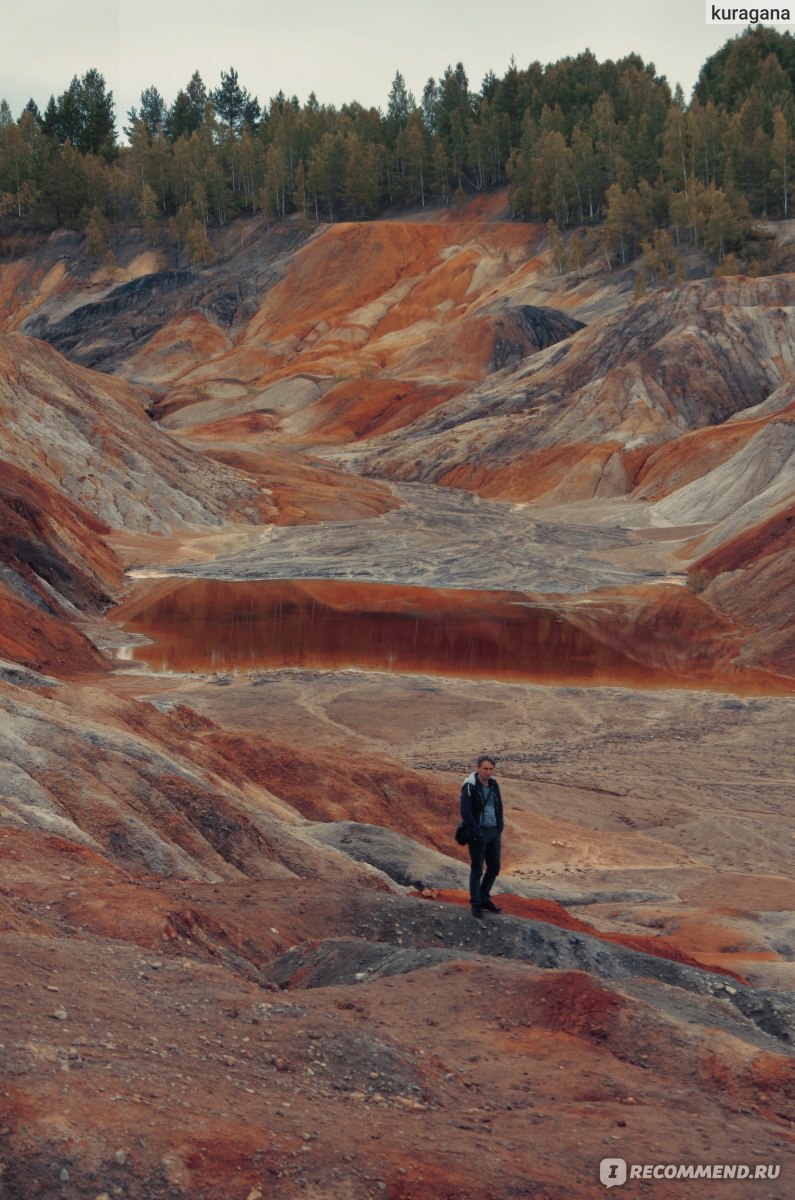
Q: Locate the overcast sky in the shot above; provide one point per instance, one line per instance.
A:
(342, 49)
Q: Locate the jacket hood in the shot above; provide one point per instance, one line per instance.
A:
(473, 778)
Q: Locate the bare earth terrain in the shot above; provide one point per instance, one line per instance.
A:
(238, 960)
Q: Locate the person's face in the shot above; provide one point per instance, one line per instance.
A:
(485, 771)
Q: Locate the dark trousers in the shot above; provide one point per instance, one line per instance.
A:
(486, 850)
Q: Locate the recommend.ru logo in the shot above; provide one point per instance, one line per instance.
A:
(612, 1171)
(615, 1171)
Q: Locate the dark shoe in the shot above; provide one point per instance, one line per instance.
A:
(477, 911)
(490, 906)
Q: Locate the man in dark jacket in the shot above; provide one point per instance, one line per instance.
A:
(481, 812)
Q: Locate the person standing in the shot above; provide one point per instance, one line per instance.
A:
(481, 812)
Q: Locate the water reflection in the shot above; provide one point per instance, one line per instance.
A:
(210, 625)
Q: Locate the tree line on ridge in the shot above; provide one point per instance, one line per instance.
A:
(579, 143)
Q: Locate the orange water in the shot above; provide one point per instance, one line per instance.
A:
(211, 625)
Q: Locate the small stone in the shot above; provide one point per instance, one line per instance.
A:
(64, 1175)
(60, 1013)
(120, 1157)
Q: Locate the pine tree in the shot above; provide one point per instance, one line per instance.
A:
(606, 136)
(429, 104)
(400, 105)
(233, 103)
(97, 133)
(186, 114)
(153, 113)
(506, 103)
(520, 169)
(440, 172)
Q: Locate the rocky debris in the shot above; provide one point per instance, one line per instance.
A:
(344, 962)
(397, 855)
(21, 677)
(384, 921)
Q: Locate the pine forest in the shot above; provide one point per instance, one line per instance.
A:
(605, 151)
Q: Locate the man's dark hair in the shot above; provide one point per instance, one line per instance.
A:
(486, 758)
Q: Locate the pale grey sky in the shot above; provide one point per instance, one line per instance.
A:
(342, 49)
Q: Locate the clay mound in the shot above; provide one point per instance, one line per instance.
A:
(53, 562)
(143, 320)
(553, 913)
(123, 780)
(750, 484)
(90, 438)
(36, 636)
(301, 489)
(753, 580)
(53, 545)
(358, 408)
(601, 402)
(397, 300)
